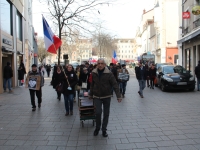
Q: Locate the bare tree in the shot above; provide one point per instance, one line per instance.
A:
(73, 14)
(42, 53)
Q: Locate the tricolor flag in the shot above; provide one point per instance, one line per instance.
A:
(52, 42)
(114, 58)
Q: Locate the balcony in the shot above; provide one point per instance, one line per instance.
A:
(196, 23)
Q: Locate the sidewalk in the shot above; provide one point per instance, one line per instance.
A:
(160, 121)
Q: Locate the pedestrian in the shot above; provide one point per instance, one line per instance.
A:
(197, 73)
(123, 79)
(21, 73)
(141, 76)
(70, 80)
(152, 75)
(35, 82)
(7, 76)
(48, 68)
(101, 91)
(77, 87)
(43, 70)
(57, 79)
(147, 70)
(84, 80)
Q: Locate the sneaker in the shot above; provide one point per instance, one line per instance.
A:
(39, 105)
(67, 114)
(104, 133)
(33, 109)
(96, 132)
(139, 93)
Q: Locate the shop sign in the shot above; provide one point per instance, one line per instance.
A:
(186, 15)
(196, 10)
(5, 41)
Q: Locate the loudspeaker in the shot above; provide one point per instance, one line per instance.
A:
(65, 56)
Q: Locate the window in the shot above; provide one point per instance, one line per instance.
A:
(6, 16)
(19, 26)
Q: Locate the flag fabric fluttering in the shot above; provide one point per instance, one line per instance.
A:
(114, 58)
(52, 42)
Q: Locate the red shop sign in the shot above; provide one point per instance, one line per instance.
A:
(186, 15)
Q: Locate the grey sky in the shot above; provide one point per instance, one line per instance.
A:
(121, 19)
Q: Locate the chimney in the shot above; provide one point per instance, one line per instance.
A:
(144, 11)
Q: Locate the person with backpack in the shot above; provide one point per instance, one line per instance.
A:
(35, 82)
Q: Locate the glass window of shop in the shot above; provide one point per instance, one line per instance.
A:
(6, 16)
(19, 26)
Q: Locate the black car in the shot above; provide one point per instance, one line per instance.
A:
(158, 65)
(174, 77)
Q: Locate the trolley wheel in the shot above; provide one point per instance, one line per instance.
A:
(93, 122)
(82, 123)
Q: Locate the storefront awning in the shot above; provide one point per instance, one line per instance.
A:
(7, 50)
(189, 36)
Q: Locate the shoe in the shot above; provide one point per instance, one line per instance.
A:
(71, 112)
(39, 105)
(33, 109)
(104, 133)
(139, 93)
(10, 91)
(67, 114)
(123, 96)
(152, 87)
(142, 96)
(96, 132)
(59, 98)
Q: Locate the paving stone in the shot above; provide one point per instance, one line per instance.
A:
(146, 145)
(126, 146)
(187, 147)
(154, 138)
(7, 147)
(169, 148)
(46, 148)
(185, 142)
(13, 142)
(165, 143)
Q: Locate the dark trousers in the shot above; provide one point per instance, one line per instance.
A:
(48, 73)
(148, 81)
(39, 97)
(106, 111)
(198, 84)
(58, 94)
(152, 81)
(123, 87)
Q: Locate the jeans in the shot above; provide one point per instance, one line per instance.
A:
(142, 85)
(198, 84)
(69, 102)
(123, 87)
(152, 81)
(5, 83)
(106, 111)
(38, 94)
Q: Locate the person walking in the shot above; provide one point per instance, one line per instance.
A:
(7, 76)
(197, 73)
(84, 78)
(101, 91)
(21, 73)
(57, 79)
(147, 70)
(141, 76)
(48, 68)
(123, 80)
(70, 80)
(35, 82)
(152, 75)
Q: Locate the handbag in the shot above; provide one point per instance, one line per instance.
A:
(59, 88)
(155, 81)
(84, 84)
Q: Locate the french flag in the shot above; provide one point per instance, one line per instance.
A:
(114, 58)
(52, 42)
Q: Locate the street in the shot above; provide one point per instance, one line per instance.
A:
(159, 121)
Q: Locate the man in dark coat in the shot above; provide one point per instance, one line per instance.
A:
(101, 91)
(7, 75)
(197, 73)
(141, 76)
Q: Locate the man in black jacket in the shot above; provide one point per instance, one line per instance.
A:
(7, 75)
(197, 73)
(141, 76)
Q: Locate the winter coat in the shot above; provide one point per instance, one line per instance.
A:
(84, 78)
(57, 78)
(139, 73)
(152, 73)
(7, 72)
(197, 71)
(101, 86)
(72, 79)
(20, 74)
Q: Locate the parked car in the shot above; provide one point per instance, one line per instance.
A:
(162, 64)
(174, 77)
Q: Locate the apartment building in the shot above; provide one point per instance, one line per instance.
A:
(189, 43)
(126, 50)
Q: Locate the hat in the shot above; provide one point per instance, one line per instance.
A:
(8, 63)
(123, 65)
(34, 65)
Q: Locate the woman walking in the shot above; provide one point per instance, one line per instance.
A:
(84, 78)
(57, 79)
(70, 80)
(152, 75)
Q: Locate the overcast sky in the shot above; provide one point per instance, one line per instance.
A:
(121, 20)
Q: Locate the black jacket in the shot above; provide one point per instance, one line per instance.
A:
(72, 79)
(57, 78)
(152, 72)
(7, 72)
(139, 73)
(197, 71)
(84, 78)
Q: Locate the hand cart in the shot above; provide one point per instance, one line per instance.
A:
(86, 109)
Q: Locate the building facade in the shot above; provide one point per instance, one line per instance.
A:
(189, 43)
